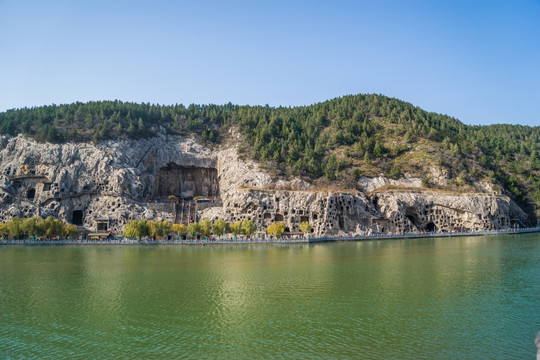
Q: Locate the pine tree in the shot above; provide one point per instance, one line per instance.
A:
(141, 128)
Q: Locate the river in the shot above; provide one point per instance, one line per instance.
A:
(434, 298)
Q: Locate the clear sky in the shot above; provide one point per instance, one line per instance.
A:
(476, 60)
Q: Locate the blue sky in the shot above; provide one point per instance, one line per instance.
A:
(476, 60)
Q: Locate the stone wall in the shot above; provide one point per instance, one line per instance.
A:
(164, 207)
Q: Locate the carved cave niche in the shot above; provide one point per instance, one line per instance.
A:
(341, 222)
(186, 181)
(31, 194)
(412, 215)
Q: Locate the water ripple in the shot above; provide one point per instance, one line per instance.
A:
(435, 298)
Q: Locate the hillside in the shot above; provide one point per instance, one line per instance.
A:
(333, 143)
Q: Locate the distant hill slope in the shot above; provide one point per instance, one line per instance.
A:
(333, 142)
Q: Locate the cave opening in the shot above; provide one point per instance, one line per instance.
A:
(77, 217)
(341, 222)
(412, 219)
(430, 227)
(412, 215)
(186, 181)
(31, 193)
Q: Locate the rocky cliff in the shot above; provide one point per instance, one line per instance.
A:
(133, 179)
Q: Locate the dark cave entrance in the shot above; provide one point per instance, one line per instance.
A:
(430, 227)
(77, 217)
(31, 193)
(412, 215)
(412, 219)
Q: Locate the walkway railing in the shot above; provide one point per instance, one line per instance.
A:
(428, 234)
(250, 240)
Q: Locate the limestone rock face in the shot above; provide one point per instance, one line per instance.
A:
(430, 211)
(115, 179)
(235, 173)
(134, 179)
(333, 213)
(371, 184)
(327, 212)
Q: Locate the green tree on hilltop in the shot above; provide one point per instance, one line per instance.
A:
(378, 150)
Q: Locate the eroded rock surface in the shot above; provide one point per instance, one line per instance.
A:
(134, 179)
(332, 213)
(115, 179)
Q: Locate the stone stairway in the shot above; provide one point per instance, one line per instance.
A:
(185, 212)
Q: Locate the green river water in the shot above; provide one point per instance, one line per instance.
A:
(438, 298)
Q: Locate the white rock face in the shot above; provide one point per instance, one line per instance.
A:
(332, 213)
(371, 184)
(113, 178)
(327, 212)
(235, 173)
(120, 180)
(429, 210)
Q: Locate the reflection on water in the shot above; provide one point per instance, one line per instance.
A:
(427, 298)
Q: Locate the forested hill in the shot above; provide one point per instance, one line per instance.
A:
(334, 141)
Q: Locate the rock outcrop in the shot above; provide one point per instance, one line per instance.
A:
(81, 182)
(332, 213)
(135, 179)
(406, 211)
(327, 212)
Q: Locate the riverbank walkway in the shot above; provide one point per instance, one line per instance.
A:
(268, 240)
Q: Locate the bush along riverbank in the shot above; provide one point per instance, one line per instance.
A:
(257, 240)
